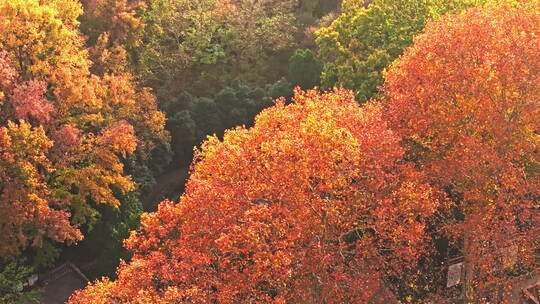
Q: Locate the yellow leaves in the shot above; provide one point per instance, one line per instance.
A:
(27, 141)
(94, 183)
(26, 195)
(45, 48)
(32, 26)
(68, 10)
(67, 155)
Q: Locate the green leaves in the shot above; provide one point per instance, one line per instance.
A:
(304, 69)
(362, 41)
(200, 47)
(13, 277)
(192, 119)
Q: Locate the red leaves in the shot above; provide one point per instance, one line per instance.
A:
(68, 136)
(285, 212)
(26, 98)
(7, 73)
(66, 140)
(465, 98)
(120, 138)
(29, 102)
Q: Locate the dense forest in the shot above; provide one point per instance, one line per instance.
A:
(271, 151)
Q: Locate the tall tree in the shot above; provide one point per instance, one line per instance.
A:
(297, 209)
(64, 131)
(364, 39)
(465, 99)
(120, 20)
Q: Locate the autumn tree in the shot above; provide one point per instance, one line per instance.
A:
(364, 39)
(314, 204)
(64, 132)
(120, 20)
(465, 99)
(113, 30)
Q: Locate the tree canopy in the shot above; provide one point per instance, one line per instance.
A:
(465, 100)
(364, 39)
(403, 168)
(64, 131)
(296, 209)
(200, 46)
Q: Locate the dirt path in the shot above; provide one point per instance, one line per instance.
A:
(169, 185)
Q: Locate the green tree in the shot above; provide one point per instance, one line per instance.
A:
(363, 40)
(192, 119)
(305, 69)
(319, 8)
(13, 278)
(104, 241)
(201, 46)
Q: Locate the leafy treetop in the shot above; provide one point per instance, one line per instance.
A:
(313, 204)
(465, 99)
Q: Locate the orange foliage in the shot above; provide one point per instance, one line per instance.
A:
(314, 204)
(30, 211)
(120, 20)
(64, 129)
(465, 99)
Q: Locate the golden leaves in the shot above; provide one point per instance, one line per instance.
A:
(66, 128)
(265, 211)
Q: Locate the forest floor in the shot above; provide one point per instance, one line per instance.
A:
(169, 185)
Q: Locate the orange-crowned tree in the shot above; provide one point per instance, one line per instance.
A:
(465, 98)
(314, 204)
(64, 132)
